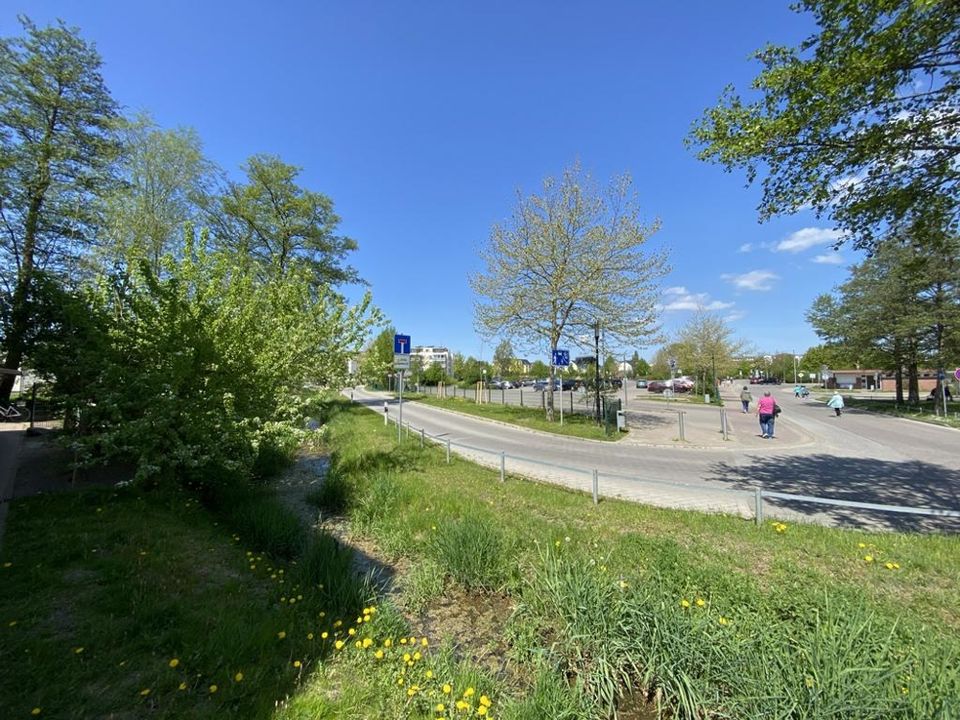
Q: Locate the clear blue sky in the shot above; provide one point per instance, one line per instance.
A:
(421, 120)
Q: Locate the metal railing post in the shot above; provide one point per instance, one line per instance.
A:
(758, 505)
(596, 487)
(503, 466)
(680, 414)
(723, 424)
(448, 451)
(422, 432)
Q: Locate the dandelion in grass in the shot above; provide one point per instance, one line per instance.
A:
(36, 711)
(461, 705)
(378, 654)
(281, 635)
(623, 584)
(417, 655)
(79, 650)
(339, 644)
(367, 642)
(428, 674)
(723, 620)
(324, 635)
(468, 692)
(351, 632)
(440, 707)
(557, 543)
(403, 641)
(387, 643)
(297, 664)
(213, 689)
(868, 558)
(485, 701)
(182, 686)
(238, 677)
(861, 545)
(309, 636)
(891, 566)
(8, 564)
(684, 603)
(338, 623)
(446, 689)
(809, 681)
(482, 710)
(424, 642)
(358, 645)
(904, 691)
(174, 662)
(701, 602)
(145, 692)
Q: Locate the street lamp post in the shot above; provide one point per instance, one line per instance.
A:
(796, 362)
(596, 339)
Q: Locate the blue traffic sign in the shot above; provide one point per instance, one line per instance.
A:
(401, 344)
(561, 358)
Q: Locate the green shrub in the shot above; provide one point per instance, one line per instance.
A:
(334, 494)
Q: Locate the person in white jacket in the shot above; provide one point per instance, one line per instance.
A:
(836, 402)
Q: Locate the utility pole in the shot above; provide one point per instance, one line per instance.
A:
(596, 338)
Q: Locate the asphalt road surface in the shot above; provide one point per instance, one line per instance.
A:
(861, 457)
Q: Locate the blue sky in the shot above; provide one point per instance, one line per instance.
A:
(422, 120)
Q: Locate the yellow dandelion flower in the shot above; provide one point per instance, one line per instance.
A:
(428, 674)
(433, 527)
(324, 635)
(322, 614)
(367, 642)
(557, 543)
(173, 663)
(399, 681)
(359, 620)
(8, 564)
(36, 711)
(309, 636)
(446, 689)
(281, 635)
(684, 603)
(12, 623)
(297, 663)
(378, 654)
(896, 566)
(461, 705)
(413, 640)
(213, 689)
(440, 707)
(904, 691)
(417, 655)
(339, 644)
(387, 643)
(482, 710)
(78, 650)
(183, 686)
(485, 701)
(358, 644)
(238, 677)
(403, 641)
(424, 642)
(701, 602)
(366, 618)
(411, 692)
(338, 623)
(352, 631)
(406, 657)
(868, 558)
(468, 692)
(373, 609)
(145, 692)
(623, 585)
(723, 620)
(861, 545)
(888, 566)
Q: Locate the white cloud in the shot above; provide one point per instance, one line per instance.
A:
(734, 315)
(680, 299)
(807, 238)
(753, 280)
(746, 247)
(828, 259)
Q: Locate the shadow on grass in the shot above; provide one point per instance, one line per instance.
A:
(907, 484)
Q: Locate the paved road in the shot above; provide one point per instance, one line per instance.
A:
(859, 456)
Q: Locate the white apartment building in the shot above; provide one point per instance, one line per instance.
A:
(431, 355)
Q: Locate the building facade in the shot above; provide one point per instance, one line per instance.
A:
(433, 355)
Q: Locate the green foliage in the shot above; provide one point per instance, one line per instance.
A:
(377, 361)
(422, 584)
(326, 569)
(472, 551)
(264, 523)
(333, 495)
(857, 121)
(57, 150)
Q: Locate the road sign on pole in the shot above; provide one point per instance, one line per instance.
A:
(401, 344)
(956, 373)
(561, 358)
(401, 362)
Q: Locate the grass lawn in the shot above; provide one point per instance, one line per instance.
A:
(925, 412)
(574, 425)
(513, 600)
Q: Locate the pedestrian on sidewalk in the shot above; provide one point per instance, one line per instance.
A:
(745, 398)
(766, 407)
(836, 402)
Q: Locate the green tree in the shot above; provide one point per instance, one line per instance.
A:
(165, 176)
(281, 226)
(706, 347)
(569, 258)
(859, 121)
(503, 358)
(57, 152)
(434, 374)
(539, 369)
(376, 364)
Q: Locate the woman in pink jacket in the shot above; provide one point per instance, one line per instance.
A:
(766, 407)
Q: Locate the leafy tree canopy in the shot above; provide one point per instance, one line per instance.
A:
(861, 121)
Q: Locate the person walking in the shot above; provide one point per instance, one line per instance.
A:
(836, 402)
(766, 408)
(745, 398)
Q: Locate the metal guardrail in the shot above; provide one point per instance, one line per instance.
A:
(756, 496)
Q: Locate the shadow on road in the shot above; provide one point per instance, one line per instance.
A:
(907, 484)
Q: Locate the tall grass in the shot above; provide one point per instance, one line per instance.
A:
(471, 551)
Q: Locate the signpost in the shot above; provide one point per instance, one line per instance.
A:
(401, 362)
(561, 359)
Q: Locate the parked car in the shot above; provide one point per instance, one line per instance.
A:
(657, 386)
(641, 384)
